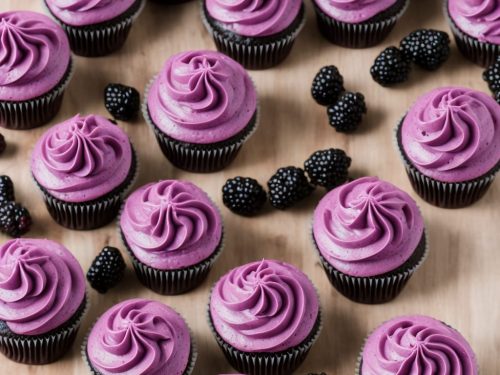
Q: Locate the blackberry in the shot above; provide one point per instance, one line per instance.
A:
(492, 76)
(390, 67)
(15, 220)
(347, 113)
(121, 101)
(427, 48)
(328, 168)
(106, 270)
(243, 195)
(288, 186)
(6, 190)
(327, 85)
(3, 144)
(497, 97)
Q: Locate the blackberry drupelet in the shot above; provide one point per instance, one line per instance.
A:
(243, 195)
(121, 101)
(15, 220)
(288, 186)
(492, 76)
(3, 144)
(106, 270)
(327, 85)
(427, 48)
(390, 67)
(6, 190)
(346, 115)
(328, 168)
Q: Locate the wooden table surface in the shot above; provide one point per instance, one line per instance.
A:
(460, 281)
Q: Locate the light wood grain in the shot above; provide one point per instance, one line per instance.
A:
(459, 283)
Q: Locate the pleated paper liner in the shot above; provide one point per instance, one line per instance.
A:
(480, 53)
(29, 114)
(444, 194)
(93, 214)
(351, 35)
(101, 39)
(253, 52)
(46, 348)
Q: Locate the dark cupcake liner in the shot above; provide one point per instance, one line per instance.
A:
(362, 35)
(480, 53)
(93, 214)
(35, 112)
(255, 53)
(42, 349)
(101, 39)
(444, 194)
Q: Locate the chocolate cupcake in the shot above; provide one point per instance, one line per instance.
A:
(35, 68)
(370, 238)
(358, 23)
(83, 166)
(140, 336)
(95, 27)
(475, 25)
(42, 300)
(202, 107)
(257, 35)
(173, 234)
(449, 142)
(265, 316)
(416, 344)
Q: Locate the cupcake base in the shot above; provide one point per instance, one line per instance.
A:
(41, 349)
(254, 52)
(360, 35)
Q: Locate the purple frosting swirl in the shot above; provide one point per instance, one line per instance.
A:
(354, 11)
(265, 306)
(254, 18)
(41, 285)
(367, 227)
(87, 12)
(477, 18)
(139, 336)
(452, 134)
(171, 224)
(82, 159)
(34, 55)
(417, 345)
(202, 97)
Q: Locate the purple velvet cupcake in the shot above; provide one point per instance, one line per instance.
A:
(83, 166)
(202, 107)
(35, 68)
(257, 35)
(95, 27)
(265, 316)
(358, 23)
(416, 344)
(140, 336)
(370, 238)
(476, 26)
(450, 145)
(173, 233)
(42, 300)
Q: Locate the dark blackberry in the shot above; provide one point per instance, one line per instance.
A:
(121, 101)
(328, 168)
(15, 220)
(346, 115)
(390, 67)
(288, 186)
(3, 144)
(492, 76)
(427, 48)
(243, 195)
(6, 190)
(106, 270)
(327, 85)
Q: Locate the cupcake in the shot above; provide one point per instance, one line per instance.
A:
(202, 107)
(449, 142)
(257, 35)
(265, 317)
(173, 234)
(35, 68)
(83, 166)
(475, 25)
(42, 300)
(358, 23)
(416, 344)
(370, 238)
(95, 27)
(140, 336)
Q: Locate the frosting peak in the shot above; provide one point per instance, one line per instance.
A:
(354, 11)
(477, 18)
